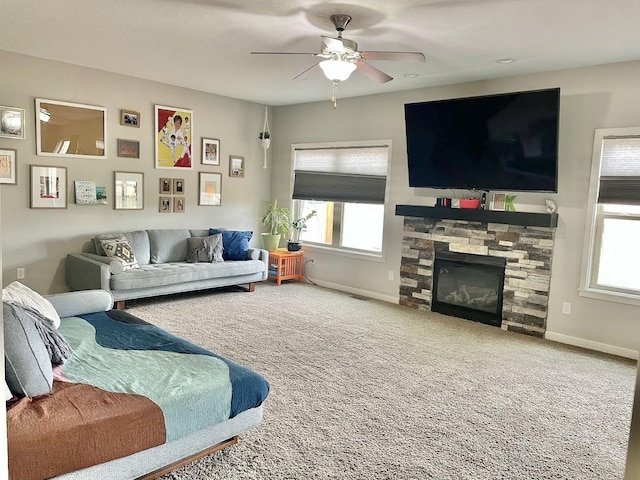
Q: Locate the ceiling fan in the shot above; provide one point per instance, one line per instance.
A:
(341, 57)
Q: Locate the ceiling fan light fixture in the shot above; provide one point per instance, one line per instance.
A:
(337, 70)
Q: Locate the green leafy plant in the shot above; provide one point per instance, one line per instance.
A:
(300, 225)
(276, 219)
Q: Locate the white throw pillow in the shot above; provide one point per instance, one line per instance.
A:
(119, 249)
(19, 293)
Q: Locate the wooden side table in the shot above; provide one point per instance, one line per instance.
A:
(285, 265)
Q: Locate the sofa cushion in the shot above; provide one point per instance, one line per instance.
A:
(27, 364)
(205, 249)
(235, 243)
(119, 249)
(168, 245)
(19, 293)
(138, 239)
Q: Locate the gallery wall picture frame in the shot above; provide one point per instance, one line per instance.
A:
(8, 164)
(165, 204)
(236, 166)
(48, 186)
(11, 122)
(65, 129)
(129, 118)
(498, 201)
(173, 137)
(166, 186)
(210, 189)
(178, 204)
(128, 148)
(178, 186)
(128, 191)
(210, 151)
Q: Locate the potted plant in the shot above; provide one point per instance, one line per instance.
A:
(277, 220)
(297, 227)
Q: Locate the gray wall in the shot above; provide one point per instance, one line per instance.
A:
(591, 98)
(38, 240)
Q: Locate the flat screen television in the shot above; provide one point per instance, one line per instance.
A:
(506, 142)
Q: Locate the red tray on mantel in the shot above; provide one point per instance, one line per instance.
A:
(473, 203)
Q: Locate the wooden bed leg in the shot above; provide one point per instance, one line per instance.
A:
(180, 463)
(252, 286)
(120, 305)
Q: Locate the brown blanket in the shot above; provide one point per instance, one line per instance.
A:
(77, 426)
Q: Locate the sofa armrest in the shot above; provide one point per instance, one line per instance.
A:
(84, 272)
(71, 304)
(260, 254)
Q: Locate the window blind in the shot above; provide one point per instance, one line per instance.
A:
(620, 171)
(341, 174)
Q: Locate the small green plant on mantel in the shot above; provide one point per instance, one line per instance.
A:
(278, 221)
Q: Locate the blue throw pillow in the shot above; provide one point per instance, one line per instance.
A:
(235, 243)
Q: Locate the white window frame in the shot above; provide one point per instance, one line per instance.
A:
(337, 249)
(594, 220)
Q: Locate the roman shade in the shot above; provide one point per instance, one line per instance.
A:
(341, 174)
(620, 171)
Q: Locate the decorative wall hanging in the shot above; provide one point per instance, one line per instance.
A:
(11, 122)
(129, 118)
(174, 133)
(210, 151)
(48, 187)
(265, 137)
(8, 158)
(236, 166)
(210, 189)
(129, 191)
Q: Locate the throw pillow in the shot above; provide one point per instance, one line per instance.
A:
(19, 293)
(235, 243)
(205, 249)
(27, 364)
(119, 249)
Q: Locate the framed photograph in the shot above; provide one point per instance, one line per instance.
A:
(11, 122)
(174, 132)
(236, 166)
(210, 151)
(129, 118)
(128, 148)
(66, 129)
(48, 187)
(8, 173)
(210, 189)
(129, 190)
(498, 201)
(178, 204)
(178, 186)
(166, 186)
(165, 204)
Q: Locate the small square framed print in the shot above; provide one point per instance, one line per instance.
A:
(178, 204)
(129, 118)
(8, 158)
(129, 190)
(210, 151)
(178, 186)
(48, 187)
(165, 204)
(128, 148)
(11, 122)
(236, 166)
(166, 186)
(497, 202)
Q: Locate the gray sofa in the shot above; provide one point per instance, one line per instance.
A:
(161, 255)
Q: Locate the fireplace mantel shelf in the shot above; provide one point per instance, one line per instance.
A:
(527, 219)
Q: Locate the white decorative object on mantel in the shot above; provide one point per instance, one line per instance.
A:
(265, 137)
(551, 206)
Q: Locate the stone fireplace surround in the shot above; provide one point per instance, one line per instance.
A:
(525, 240)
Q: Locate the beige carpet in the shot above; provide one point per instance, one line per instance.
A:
(362, 389)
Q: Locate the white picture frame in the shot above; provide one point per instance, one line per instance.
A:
(128, 191)
(48, 186)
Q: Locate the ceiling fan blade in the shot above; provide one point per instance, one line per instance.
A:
(305, 71)
(284, 53)
(373, 72)
(399, 56)
(334, 45)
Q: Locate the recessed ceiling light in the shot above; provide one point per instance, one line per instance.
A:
(411, 75)
(505, 60)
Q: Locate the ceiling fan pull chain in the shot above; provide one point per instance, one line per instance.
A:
(334, 99)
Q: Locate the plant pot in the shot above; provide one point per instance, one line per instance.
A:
(270, 242)
(294, 246)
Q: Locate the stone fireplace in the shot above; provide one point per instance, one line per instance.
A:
(518, 240)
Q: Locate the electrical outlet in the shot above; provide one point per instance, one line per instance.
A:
(566, 308)
(391, 275)
(20, 273)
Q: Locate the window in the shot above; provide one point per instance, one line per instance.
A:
(346, 185)
(613, 258)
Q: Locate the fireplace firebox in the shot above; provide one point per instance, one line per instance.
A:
(468, 286)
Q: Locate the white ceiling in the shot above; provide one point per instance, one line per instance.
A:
(206, 44)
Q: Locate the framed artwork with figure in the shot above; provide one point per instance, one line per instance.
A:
(174, 134)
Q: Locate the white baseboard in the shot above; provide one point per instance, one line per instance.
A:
(597, 346)
(356, 291)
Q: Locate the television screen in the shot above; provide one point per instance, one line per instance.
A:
(499, 142)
